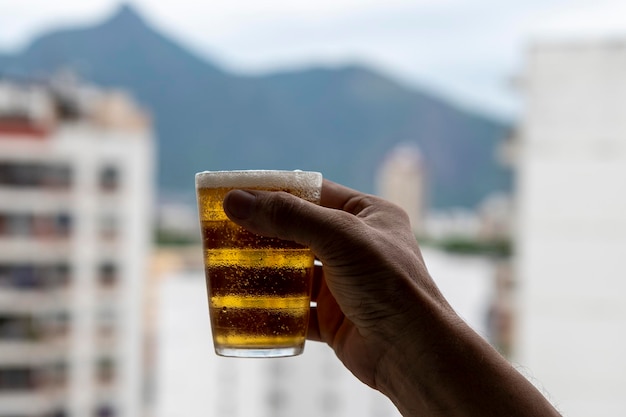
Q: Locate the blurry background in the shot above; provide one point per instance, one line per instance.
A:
(500, 128)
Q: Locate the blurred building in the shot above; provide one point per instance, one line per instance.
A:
(571, 237)
(496, 217)
(401, 180)
(76, 190)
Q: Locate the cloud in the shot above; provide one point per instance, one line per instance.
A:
(598, 20)
(20, 21)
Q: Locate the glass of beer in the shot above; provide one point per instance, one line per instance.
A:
(259, 288)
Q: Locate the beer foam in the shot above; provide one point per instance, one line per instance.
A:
(304, 184)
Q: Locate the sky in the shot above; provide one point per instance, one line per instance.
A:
(468, 51)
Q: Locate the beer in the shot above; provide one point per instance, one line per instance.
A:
(258, 287)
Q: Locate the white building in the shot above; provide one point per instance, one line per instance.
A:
(401, 180)
(571, 236)
(76, 190)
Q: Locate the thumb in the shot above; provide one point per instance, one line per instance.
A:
(287, 217)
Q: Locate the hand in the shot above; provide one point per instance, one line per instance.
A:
(365, 245)
(381, 312)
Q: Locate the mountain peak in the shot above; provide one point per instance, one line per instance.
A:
(125, 15)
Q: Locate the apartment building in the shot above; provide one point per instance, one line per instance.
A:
(571, 234)
(76, 186)
(401, 179)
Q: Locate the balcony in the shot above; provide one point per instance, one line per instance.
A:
(34, 287)
(36, 301)
(57, 226)
(23, 200)
(36, 391)
(31, 403)
(109, 179)
(105, 372)
(15, 352)
(37, 175)
(28, 338)
(30, 249)
(34, 237)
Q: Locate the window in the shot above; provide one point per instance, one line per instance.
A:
(57, 176)
(109, 178)
(105, 410)
(41, 225)
(25, 277)
(58, 276)
(57, 413)
(108, 274)
(17, 379)
(18, 224)
(63, 225)
(35, 174)
(57, 324)
(15, 327)
(54, 375)
(105, 370)
(34, 277)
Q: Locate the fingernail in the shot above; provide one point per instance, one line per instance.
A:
(239, 204)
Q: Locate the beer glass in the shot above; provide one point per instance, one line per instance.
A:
(259, 288)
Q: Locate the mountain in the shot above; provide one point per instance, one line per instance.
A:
(340, 121)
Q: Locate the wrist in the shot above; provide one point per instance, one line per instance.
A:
(410, 371)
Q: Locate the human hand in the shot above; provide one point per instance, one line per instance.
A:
(370, 258)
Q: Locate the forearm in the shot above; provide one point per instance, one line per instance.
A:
(445, 369)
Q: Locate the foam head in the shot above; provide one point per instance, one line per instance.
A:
(304, 184)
